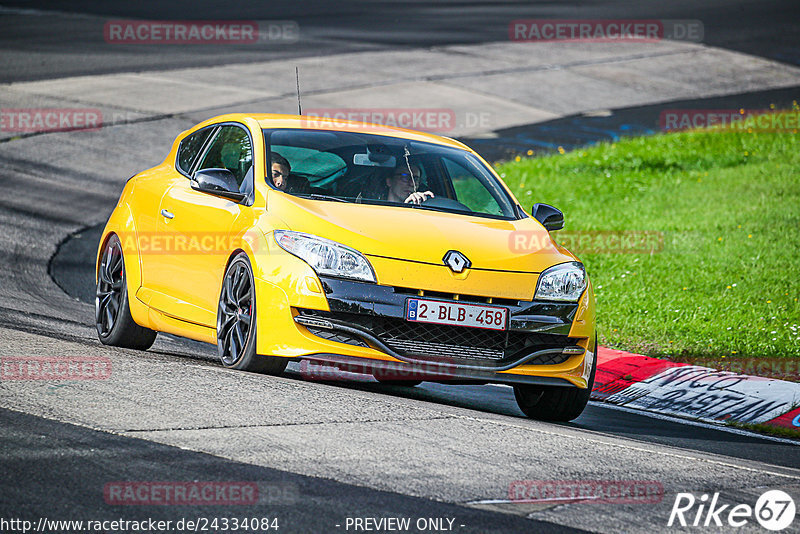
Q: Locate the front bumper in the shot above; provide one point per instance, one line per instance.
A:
(537, 347)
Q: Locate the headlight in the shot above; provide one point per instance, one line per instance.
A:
(326, 256)
(564, 282)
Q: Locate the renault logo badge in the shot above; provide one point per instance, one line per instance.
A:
(456, 261)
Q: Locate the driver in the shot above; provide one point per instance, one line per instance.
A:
(403, 185)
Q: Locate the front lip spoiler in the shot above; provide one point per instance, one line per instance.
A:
(434, 372)
(333, 324)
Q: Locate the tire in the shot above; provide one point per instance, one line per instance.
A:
(555, 403)
(112, 313)
(237, 324)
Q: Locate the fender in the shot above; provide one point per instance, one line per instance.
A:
(121, 223)
(583, 326)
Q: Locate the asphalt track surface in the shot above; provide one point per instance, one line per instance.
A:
(320, 510)
(70, 45)
(54, 464)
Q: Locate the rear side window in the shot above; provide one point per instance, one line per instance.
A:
(231, 149)
(190, 147)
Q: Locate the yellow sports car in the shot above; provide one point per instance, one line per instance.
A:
(351, 245)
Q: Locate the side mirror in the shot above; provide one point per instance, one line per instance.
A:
(551, 218)
(220, 182)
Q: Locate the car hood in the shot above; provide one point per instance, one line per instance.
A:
(425, 236)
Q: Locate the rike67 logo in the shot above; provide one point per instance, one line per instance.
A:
(774, 510)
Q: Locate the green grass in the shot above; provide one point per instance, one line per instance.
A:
(777, 431)
(727, 281)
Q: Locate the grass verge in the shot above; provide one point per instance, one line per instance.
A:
(720, 277)
(777, 431)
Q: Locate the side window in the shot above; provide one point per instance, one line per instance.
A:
(230, 149)
(190, 147)
(469, 190)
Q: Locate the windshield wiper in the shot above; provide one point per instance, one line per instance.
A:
(440, 209)
(317, 196)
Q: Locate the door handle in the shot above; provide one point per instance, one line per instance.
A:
(167, 214)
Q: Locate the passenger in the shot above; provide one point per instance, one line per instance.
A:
(402, 185)
(282, 178)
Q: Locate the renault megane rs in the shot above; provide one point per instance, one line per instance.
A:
(349, 245)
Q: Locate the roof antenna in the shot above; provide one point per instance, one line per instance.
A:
(297, 78)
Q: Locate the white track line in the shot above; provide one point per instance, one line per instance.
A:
(673, 419)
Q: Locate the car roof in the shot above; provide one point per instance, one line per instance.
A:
(275, 121)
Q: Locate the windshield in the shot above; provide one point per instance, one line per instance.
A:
(375, 169)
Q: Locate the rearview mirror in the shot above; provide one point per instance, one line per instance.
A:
(367, 161)
(551, 218)
(375, 156)
(220, 182)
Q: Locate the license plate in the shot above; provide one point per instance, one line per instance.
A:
(472, 315)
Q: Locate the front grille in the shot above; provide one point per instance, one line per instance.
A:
(453, 343)
(443, 350)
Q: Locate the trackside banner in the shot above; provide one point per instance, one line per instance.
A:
(694, 391)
